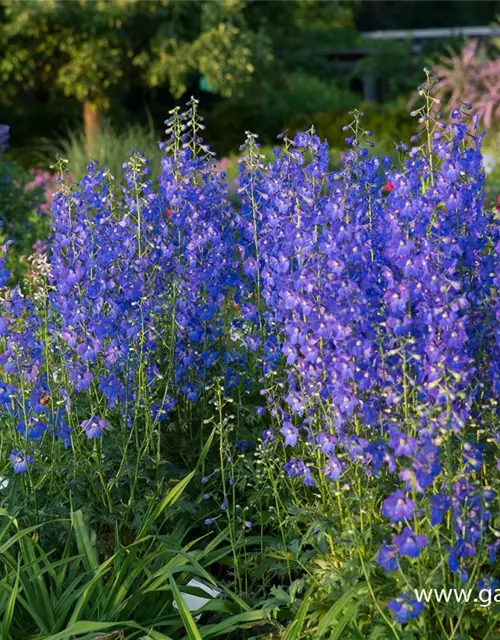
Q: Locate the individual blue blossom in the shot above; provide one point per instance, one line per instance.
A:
(268, 435)
(472, 457)
(453, 561)
(80, 377)
(113, 389)
(296, 468)
(37, 429)
(308, 477)
(493, 550)
(64, 431)
(409, 543)
(94, 427)
(244, 445)
(388, 557)
(20, 461)
(440, 503)
(290, 433)
(4, 138)
(402, 443)
(398, 507)
(404, 608)
(327, 442)
(6, 393)
(488, 583)
(333, 468)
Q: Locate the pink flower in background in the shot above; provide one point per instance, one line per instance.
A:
(471, 77)
(40, 247)
(47, 181)
(222, 164)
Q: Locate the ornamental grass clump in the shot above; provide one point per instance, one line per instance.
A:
(351, 318)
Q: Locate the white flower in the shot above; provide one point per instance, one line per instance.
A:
(488, 163)
(4, 483)
(193, 603)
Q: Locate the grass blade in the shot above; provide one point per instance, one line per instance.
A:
(171, 498)
(187, 618)
(294, 631)
(9, 609)
(332, 615)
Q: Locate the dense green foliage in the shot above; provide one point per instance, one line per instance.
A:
(23, 214)
(245, 57)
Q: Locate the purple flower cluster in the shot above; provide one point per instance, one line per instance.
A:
(132, 310)
(49, 183)
(375, 297)
(367, 297)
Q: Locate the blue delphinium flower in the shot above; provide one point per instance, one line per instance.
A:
(402, 443)
(94, 427)
(487, 583)
(268, 435)
(398, 507)
(405, 607)
(244, 446)
(20, 461)
(440, 503)
(409, 543)
(333, 468)
(290, 433)
(387, 557)
(296, 468)
(472, 457)
(370, 312)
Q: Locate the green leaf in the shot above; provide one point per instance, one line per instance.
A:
(85, 627)
(187, 618)
(11, 603)
(16, 538)
(205, 450)
(351, 610)
(333, 613)
(171, 498)
(85, 547)
(294, 631)
(232, 623)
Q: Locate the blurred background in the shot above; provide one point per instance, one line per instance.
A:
(96, 78)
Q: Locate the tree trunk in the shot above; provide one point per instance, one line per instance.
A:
(91, 117)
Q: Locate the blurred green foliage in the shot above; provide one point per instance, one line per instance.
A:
(85, 49)
(256, 65)
(22, 219)
(113, 148)
(390, 123)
